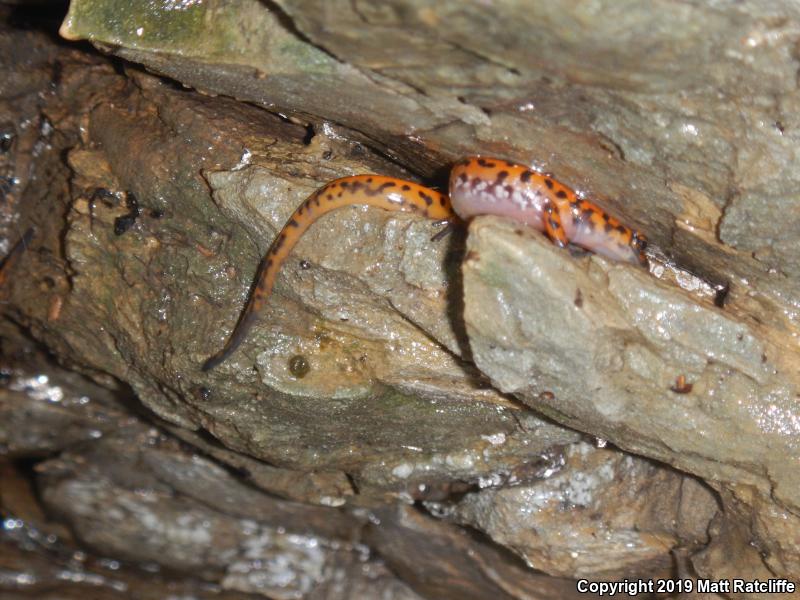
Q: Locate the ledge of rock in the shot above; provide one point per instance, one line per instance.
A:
(600, 347)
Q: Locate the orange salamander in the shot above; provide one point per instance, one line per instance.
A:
(478, 186)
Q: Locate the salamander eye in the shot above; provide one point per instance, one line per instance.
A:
(638, 241)
(639, 244)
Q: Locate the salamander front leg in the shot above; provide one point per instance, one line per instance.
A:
(553, 226)
(447, 227)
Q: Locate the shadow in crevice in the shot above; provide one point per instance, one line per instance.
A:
(456, 250)
(44, 17)
(456, 240)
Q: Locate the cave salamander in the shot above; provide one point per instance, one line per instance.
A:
(478, 186)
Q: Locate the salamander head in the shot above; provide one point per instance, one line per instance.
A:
(596, 230)
(625, 246)
(638, 245)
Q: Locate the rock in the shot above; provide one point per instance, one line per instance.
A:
(151, 505)
(601, 516)
(443, 562)
(41, 414)
(607, 364)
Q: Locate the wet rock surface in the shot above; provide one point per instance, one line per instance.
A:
(409, 418)
(601, 516)
(730, 423)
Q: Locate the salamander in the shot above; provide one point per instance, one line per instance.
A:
(387, 193)
(478, 186)
(489, 186)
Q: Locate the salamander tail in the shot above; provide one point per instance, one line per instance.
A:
(238, 336)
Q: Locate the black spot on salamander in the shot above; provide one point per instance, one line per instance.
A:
(549, 183)
(293, 223)
(385, 186)
(344, 184)
(369, 179)
(339, 195)
(486, 164)
(442, 200)
(526, 176)
(608, 228)
(261, 286)
(316, 200)
(509, 189)
(426, 198)
(405, 187)
(561, 194)
(329, 196)
(501, 176)
(622, 229)
(278, 243)
(463, 178)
